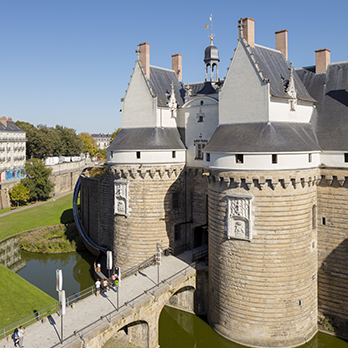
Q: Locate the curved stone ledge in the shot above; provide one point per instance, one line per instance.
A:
(146, 172)
(270, 180)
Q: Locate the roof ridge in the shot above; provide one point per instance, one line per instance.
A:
(158, 67)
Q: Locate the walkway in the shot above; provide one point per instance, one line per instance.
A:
(36, 204)
(92, 308)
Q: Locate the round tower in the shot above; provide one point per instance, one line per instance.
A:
(262, 257)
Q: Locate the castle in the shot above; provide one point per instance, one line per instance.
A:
(253, 164)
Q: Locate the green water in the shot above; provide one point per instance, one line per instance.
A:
(178, 329)
(40, 270)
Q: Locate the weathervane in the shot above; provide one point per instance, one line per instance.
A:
(211, 35)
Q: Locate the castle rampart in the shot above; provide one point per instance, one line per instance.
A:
(262, 257)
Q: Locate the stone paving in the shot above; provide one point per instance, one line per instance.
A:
(92, 308)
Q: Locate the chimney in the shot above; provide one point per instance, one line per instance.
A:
(247, 27)
(145, 57)
(9, 119)
(322, 59)
(177, 65)
(282, 42)
(3, 121)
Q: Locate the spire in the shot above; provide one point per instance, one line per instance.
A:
(211, 55)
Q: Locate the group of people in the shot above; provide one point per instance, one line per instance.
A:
(105, 284)
(18, 336)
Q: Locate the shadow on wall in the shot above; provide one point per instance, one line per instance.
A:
(175, 217)
(333, 291)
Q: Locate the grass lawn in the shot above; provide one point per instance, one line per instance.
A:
(48, 214)
(19, 298)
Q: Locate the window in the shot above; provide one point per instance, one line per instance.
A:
(239, 158)
(175, 200)
(274, 159)
(200, 119)
(177, 232)
(112, 154)
(346, 157)
(207, 157)
(199, 150)
(323, 220)
(138, 154)
(309, 157)
(202, 102)
(173, 154)
(314, 216)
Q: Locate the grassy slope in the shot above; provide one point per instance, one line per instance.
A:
(41, 215)
(18, 297)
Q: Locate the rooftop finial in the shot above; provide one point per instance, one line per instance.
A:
(211, 35)
(241, 25)
(137, 51)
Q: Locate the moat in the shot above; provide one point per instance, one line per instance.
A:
(176, 328)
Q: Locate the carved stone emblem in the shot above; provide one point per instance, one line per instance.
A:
(121, 197)
(238, 217)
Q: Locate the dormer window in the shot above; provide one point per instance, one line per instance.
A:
(200, 144)
(200, 116)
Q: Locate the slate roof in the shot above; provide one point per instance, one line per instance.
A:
(161, 80)
(276, 68)
(330, 89)
(204, 88)
(272, 137)
(11, 127)
(147, 139)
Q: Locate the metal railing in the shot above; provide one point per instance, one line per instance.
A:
(46, 312)
(79, 334)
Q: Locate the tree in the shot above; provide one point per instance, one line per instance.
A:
(114, 134)
(102, 155)
(89, 143)
(19, 193)
(71, 143)
(37, 180)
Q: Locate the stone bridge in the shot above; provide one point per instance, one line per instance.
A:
(139, 318)
(133, 311)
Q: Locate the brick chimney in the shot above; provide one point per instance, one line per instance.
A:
(145, 57)
(322, 59)
(282, 42)
(177, 65)
(247, 26)
(3, 121)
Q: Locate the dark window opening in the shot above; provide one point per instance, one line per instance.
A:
(239, 158)
(323, 220)
(173, 154)
(314, 216)
(346, 157)
(175, 200)
(177, 232)
(207, 157)
(138, 154)
(309, 157)
(202, 102)
(199, 150)
(274, 159)
(200, 119)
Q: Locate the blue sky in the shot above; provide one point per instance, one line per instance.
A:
(68, 62)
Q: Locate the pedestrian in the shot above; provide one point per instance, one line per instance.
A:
(15, 337)
(113, 278)
(105, 285)
(21, 333)
(97, 286)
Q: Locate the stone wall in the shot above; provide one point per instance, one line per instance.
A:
(155, 203)
(333, 250)
(263, 270)
(197, 206)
